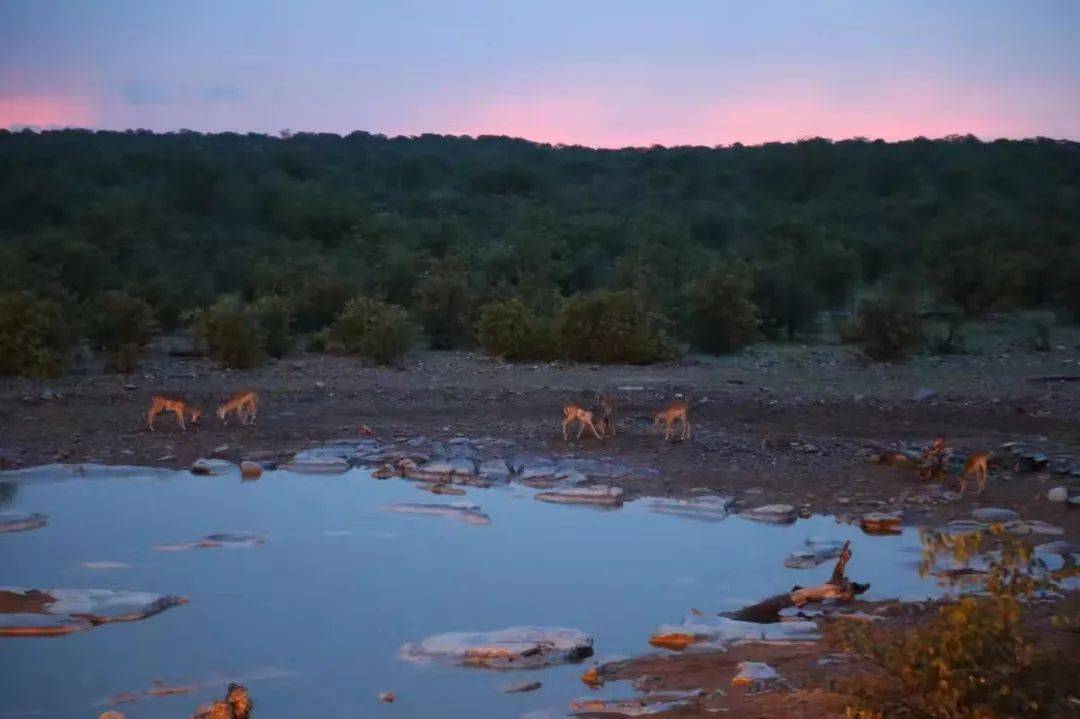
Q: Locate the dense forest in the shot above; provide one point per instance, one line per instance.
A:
(442, 226)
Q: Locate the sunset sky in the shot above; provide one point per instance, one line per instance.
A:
(602, 73)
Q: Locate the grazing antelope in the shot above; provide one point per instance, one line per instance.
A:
(245, 403)
(975, 466)
(606, 414)
(674, 411)
(172, 403)
(574, 412)
(934, 458)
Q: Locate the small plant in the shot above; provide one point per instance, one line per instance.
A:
(442, 304)
(610, 327)
(34, 334)
(509, 329)
(275, 318)
(889, 328)
(369, 328)
(229, 332)
(723, 316)
(122, 326)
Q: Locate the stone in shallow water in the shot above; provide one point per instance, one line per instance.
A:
(706, 508)
(521, 687)
(212, 467)
(495, 470)
(817, 551)
(15, 521)
(771, 514)
(750, 673)
(231, 540)
(42, 612)
(317, 465)
(250, 470)
(881, 523)
(994, 514)
(710, 630)
(512, 648)
(651, 703)
(467, 513)
(601, 495)
(961, 526)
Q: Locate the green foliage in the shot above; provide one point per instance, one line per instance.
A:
(122, 327)
(610, 327)
(34, 335)
(371, 329)
(889, 328)
(946, 337)
(509, 329)
(970, 659)
(442, 304)
(275, 317)
(230, 333)
(723, 317)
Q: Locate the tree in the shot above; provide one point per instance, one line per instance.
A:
(723, 318)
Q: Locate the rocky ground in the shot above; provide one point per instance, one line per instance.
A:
(776, 424)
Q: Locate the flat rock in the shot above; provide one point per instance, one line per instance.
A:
(705, 508)
(601, 495)
(994, 514)
(230, 540)
(717, 631)
(494, 469)
(317, 465)
(881, 523)
(754, 673)
(43, 612)
(14, 521)
(771, 514)
(511, 648)
(817, 551)
(647, 705)
(207, 466)
(1057, 494)
(467, 513)
(521, 687)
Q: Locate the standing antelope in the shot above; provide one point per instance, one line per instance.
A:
(606, 413)
(172, 403)
(975, 466)
(674, 411)
(574, 412)
(245, 403)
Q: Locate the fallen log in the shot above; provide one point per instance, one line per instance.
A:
(839, 588)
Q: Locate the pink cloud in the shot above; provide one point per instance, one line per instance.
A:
(44, 112)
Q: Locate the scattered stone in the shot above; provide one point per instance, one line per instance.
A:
(220, 449)
(494, 470)
(387, 697)
(1058, 494)
(511, 648)
(592, 679)
(384, 471)
(111, 714)
(440, 488)
(771, 514)
(925, 394)
(236, 705)
(230, 540)
(14, 521)
(521, 687)
(600, 495)
(754, 674)
(994, 515)
(467, 513)
(250, 470)
(45, 612)
(881, 523)
(653, 703)
(212, 467)
(706, 508)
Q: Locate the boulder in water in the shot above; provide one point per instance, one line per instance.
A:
(994, 515)
(771, 514)
(512, 648)
(44, 612)
(467, 513)
(15, 521)
(230, 540)
(706, 508)
(600, 495)
(817, 551)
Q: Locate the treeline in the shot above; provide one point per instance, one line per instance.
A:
(530, 249)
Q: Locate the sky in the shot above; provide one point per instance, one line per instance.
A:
(605, 73)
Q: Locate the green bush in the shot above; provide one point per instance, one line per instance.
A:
(122, 326)
(34, 334)
(275, 317)
(509, 329)
(889, 328)
(610, 327)
(723, 318)
(229, 332)
(442, 304)
(369, 328)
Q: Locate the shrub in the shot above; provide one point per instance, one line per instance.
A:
(509, 329)
(122, 327)
(723, 317)
(610, 327)
(275, 318)
(441, 303)
(369, 328)
(229, 332)
(889, 328)
(947, 338)
(34, 335)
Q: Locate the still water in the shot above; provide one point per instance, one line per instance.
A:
(312, 620)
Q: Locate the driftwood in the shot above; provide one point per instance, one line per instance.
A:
(838, 588)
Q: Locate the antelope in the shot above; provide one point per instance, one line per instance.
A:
(245, 403)
(574, 412)
(606, 412)
(674, 411)
(172, 403)
(975, 465)
(934, 458)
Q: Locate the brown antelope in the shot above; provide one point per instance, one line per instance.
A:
(172, 403)
(975, 466)
(934, 458)
(674, 411)
(574, 412)
(605, 413)
(245, 403)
